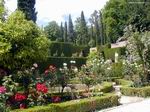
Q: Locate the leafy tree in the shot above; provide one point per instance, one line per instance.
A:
(82, 30)
(23, 43)
(2, 10)
(115, 16)
(94, 20)
(27, 7)
(65, 32)
(52, 30)
(139, 12)
(71, 33)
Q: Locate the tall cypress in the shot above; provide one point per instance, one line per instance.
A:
(71, 34)
(61, 31)
(84, 30)
(28, 8)
(65, 32)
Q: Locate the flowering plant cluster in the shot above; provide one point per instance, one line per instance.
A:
(41, 88)
(20, 97)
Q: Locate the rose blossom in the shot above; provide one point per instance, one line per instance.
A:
(2, 89)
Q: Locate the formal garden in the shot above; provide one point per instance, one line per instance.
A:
(55, 70)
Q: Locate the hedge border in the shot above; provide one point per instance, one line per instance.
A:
(81, 105)
(132, 91)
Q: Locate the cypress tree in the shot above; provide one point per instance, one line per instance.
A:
(84, 29)
(28, 8)
(65, 32)
(71, 34)
(61, 31)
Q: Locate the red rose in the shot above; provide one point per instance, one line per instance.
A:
(41, 88)
(20, 97)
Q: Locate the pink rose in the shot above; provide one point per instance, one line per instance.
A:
(2, 89)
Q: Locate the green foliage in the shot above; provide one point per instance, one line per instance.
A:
(107, 87)
(109, 53)
(81, 30)
(117, 69)
(67, 49)
(83, 105)
(52, 31)
(115, 19)
(94, 20)
(23, 43)
(124, 82)
(27, 7)
(2, 10)
(140, 92)
(65, 36)
(71, 33)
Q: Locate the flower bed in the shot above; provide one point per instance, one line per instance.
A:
(82, 105)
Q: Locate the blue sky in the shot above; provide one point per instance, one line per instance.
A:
(58, 10)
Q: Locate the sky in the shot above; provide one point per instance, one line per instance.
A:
(58, 10)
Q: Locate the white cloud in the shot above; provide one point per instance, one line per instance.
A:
(57, 10)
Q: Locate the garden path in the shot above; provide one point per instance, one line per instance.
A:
(129, 104)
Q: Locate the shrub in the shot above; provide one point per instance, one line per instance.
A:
(23, 42)
(132, 91)
(107, 87)
(82, 105)
(109, 53)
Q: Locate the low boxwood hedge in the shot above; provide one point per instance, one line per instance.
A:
(132, 91)
(123, 82)
(81, 105)
(107, 87)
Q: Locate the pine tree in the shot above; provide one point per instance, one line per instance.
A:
(27, 7)
(71, 34)
(65, 32)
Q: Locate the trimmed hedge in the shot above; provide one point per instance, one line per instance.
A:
(107, 87)
(58, 62)
(109, 53)
(66, 49)
(132, 91)
(124, 82)
(81, 105)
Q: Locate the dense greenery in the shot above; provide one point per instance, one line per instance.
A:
(27, 7)
(120, 13)
(23, 43)
(81, 30)
(53, 31)
(83, 105)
